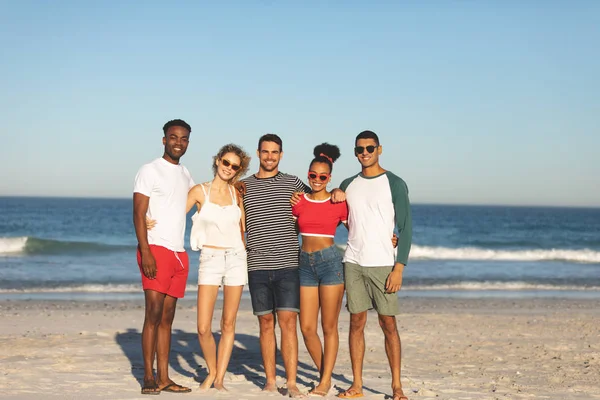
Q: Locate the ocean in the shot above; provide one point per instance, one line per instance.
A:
(84, 249)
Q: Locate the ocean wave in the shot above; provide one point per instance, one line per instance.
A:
(474, 253)
(586, 256)
(514, 286)
(33, 245)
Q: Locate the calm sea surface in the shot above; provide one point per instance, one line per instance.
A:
(58, 248)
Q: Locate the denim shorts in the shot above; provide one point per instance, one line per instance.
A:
(323, 267)
(274, 290)
(226, 267)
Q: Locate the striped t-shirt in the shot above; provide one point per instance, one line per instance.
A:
(272, 241)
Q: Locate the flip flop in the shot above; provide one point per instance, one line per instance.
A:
(350, 394)
(151, 389)
(171, 388)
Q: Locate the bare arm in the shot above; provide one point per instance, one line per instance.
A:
(195, 197)
(140, 208)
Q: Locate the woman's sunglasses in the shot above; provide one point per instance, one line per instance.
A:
(229, 164)
(314, 175)
(361, 149)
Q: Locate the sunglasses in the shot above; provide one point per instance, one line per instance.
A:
(229, 164)
(361, 149)
(314, 175)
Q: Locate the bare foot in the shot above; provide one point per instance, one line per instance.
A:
(294, 392)
(220, 387)
(270, 387)
(399, 394)
(208, 382)
(322, 389)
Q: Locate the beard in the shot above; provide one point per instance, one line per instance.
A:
(267, 168)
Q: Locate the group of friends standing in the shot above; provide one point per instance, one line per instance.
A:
(247, 233)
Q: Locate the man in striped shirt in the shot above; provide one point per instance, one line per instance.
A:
(272, 246)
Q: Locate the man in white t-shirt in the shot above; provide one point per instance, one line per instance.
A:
(377, 203)
(160, 193)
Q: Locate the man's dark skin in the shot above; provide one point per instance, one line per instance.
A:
(160, 308)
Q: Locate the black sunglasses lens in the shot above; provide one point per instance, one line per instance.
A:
(225, 163)
(235, 167)
(322, 177)
(312, 176)
(359, 149)
(370, 149)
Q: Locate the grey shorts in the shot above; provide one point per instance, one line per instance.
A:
(365, 289)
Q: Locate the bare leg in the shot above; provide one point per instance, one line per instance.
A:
(357, 350)
(289, 349)
(153, 315)
(268, 347)
(331, 303)
(231, 303)
(207, 295)
(163, 344)
(309, 317)
(393, 349)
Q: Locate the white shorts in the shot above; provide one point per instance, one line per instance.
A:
(223, 267)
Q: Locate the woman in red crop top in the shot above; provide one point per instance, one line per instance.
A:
(320, 268)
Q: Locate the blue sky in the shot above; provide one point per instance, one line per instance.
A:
(474, 102)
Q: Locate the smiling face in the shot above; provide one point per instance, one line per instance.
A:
(228, 166)
(176, 142)
(269, 155)
(319, 175)
(365, 158)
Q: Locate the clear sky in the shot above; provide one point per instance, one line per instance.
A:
(489, 102)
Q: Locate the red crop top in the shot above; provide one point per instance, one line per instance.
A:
(319, 217)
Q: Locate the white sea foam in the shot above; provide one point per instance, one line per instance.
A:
(474, 253)
(12, 245)
(91, 288)
(500, 286)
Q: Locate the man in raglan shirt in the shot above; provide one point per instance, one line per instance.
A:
(377, 202)
(160, 193)
(273, 250)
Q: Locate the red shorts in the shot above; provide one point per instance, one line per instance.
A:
(172, 270)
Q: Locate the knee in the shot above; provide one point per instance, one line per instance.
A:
(330, 328)
(287, 322)
(308, 329)
(388, 325)
(358, 322)
(204, 330)
(267, 323)
(153, 315)
(227, 325)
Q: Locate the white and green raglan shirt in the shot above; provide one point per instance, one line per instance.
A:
(376, 205)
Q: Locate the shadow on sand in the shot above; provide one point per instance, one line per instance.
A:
(245, 360)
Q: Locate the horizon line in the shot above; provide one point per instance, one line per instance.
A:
(415, 203)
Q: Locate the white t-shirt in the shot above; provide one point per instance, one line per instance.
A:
(167, 185)
(376, 206)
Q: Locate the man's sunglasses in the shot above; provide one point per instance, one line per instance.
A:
(314, 175)
(361, 149)
(229, 164)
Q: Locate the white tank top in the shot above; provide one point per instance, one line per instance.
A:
(216, 225)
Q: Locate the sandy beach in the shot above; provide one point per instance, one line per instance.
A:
(452, 349)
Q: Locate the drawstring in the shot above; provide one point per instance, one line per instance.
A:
(178, 259)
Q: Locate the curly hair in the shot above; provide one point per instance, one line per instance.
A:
(326, 153)
(176, 122)
(238, 151)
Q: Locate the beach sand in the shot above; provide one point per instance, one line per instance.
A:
(452, 349)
